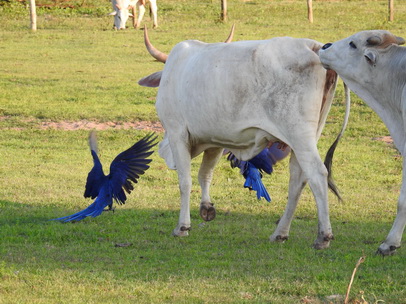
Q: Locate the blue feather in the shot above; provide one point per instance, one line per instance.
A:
(252, 169)
(125, 169)
(253, 181)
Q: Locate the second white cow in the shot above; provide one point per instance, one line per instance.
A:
(373, 65)
(244, 96)
(121, 12)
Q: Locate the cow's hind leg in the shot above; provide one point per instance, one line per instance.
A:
(394, 238)
(154, 11)
(316, 174)
(141, 12)
(297, 182)
(210, 158)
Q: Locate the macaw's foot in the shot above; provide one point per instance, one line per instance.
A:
(323, 241)
(181, 231)
(386, 249)
(207, 211)
(110, 209)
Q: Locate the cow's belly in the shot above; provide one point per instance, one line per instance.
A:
(243, 135)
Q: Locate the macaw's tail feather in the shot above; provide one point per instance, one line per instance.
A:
(253, 181)
(92, 211)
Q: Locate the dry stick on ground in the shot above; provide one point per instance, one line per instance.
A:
(361, 260)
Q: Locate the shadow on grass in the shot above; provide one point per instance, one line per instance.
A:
(136, 244)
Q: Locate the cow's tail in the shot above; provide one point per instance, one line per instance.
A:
(329, 156)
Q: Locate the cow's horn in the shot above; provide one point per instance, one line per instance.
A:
(374, 40)
(158, 55)
(230, 37)
(400, 40)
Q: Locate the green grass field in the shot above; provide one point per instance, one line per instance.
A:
(76, 69)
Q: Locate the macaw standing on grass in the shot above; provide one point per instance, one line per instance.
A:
(125, 169)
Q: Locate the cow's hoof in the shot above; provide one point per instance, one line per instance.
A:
(386, 250)
(323, 241)
(278, 238)
(207, 211)
(182, 231)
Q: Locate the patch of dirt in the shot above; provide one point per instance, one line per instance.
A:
(92, 125)
(385, 139)
(86, 125)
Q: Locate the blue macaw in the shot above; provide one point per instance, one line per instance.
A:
(253, 168)
(125, 169)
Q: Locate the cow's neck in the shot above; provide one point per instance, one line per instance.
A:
(389, 110)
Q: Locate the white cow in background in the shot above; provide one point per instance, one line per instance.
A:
(373, 65)
(121, 12)
(244, 96)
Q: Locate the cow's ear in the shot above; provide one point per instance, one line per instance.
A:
(113, 13)
(152, 80)
(370, 56)
(374, 40)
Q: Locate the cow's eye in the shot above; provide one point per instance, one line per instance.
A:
(352, 44)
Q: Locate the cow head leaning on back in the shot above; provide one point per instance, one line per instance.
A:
(373, 65)
(358, 54)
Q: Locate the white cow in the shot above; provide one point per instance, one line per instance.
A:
(244, 96)
(121, 13)
(373, 65)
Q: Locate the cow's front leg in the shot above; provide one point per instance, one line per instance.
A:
(210, 158)
(297, 182)
(182, 158)
(394, 238)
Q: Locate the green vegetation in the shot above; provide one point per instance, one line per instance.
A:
(76, 68)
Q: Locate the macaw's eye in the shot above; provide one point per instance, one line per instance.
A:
(352, 44)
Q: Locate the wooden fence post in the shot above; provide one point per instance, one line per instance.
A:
(223, 15)
(33, 15)
(391, 8)
(310, 10)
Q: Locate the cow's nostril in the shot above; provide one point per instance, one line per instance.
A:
(326, 46)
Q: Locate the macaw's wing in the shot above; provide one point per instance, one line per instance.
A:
(128, 166)
(253, 181)
(268, 157)
(95, 178)
(264, 161)
(103, 200)
(252, 175)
